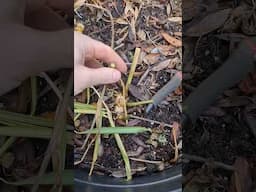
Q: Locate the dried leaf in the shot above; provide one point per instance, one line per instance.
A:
(139, 92)
(119, 41)
(179, 34)
(133, 29)
(172, 40)
(151, 58)
(177, 129)
(208, 24)
(166, 50)
(128, 8)
(136, 13)
(176, 62)
(162, 65)
(121, 21)
(168, 9)
(175, 19)
(141, 34)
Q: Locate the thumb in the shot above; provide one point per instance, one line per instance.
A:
(87, 77)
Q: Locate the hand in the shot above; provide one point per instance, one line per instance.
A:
(87, 70)
(33, 39)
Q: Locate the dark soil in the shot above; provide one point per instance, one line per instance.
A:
(221, 133)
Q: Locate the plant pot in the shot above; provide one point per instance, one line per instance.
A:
(166, 181)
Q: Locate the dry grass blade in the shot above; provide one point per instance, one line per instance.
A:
(133, 68)
(88, 95)
(58, 134)
(98, 117)
(85, 153)
(116, 130)
(150, 121)
(78, 3)
(124, 100)
(7, 144)
(29, 132)
(134, 104)
(176, 156)
(118, 141)
(146, 161)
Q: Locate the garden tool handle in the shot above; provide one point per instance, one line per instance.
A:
(171, 86)
(237, 66)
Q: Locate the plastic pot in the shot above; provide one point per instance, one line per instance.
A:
(166, 181)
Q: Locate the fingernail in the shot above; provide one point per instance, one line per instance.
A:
(116, 75)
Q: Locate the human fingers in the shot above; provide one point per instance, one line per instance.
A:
(93, 63)
(97, 50)
(87, 77)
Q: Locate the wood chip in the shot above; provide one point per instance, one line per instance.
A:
(172, 40)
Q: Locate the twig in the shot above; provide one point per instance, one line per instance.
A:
(139, 142)
(176, 156)
(135, 153)
(144, 75)
(101, 30)
(150, 121)
(124, 101)
(85, 142)
(86, 151)
(133, 104)
(145, 161)
(207, 161)
(88, 135)
(119, 46)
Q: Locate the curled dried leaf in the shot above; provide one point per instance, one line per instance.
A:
(172, 40)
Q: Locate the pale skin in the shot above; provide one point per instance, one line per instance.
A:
(31, 51)
(88, 71)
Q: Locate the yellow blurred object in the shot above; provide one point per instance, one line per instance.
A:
(79, 27)
(78, 3)
(119, 106)
(112, 65)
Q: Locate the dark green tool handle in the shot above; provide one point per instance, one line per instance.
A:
(171, 86)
